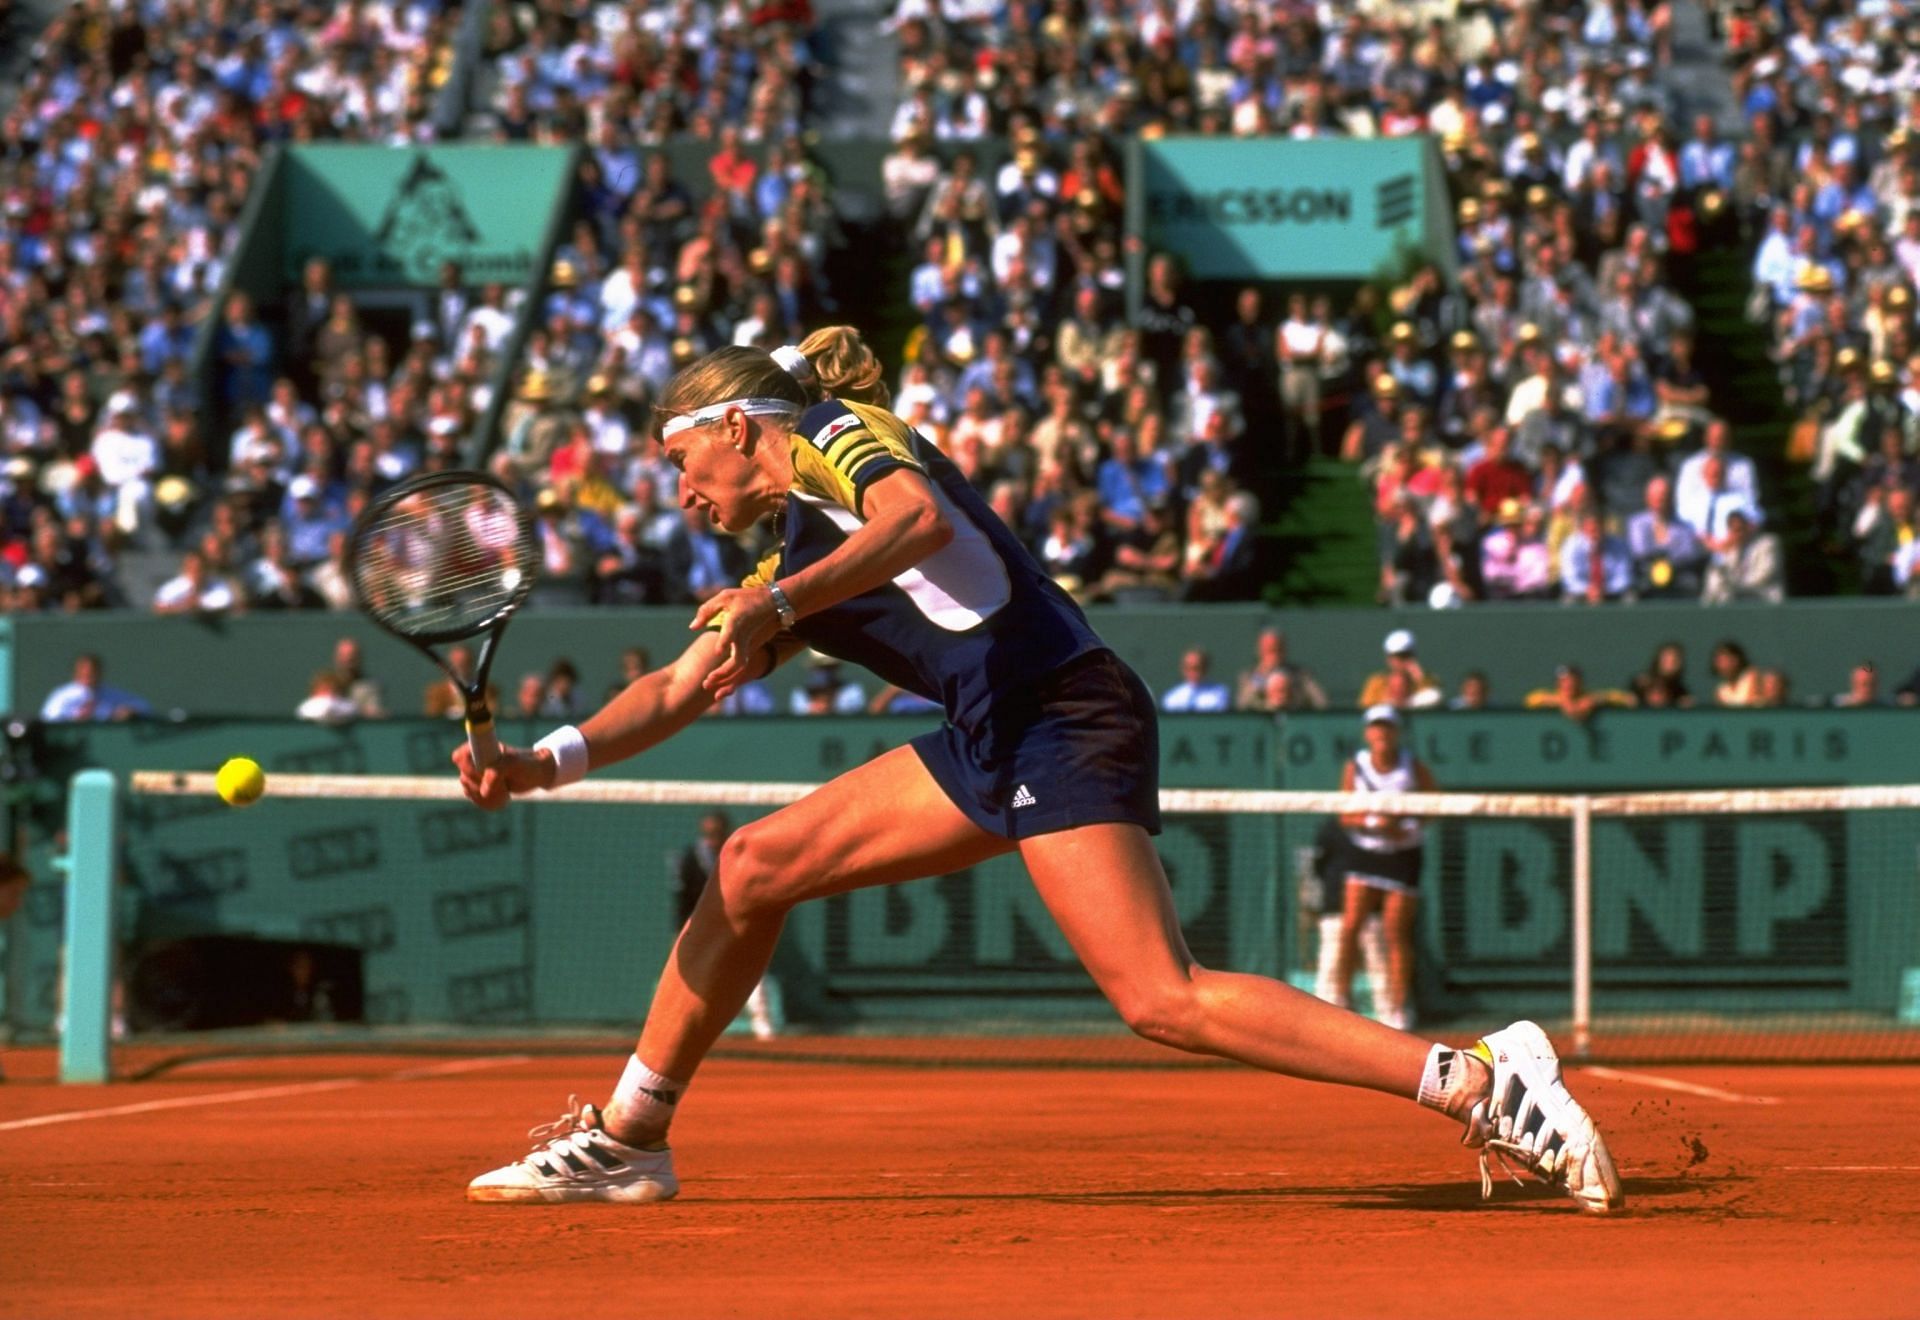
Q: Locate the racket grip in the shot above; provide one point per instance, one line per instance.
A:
(481, 741)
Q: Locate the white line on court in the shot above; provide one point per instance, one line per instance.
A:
(457, 1066)
(1850, 1168)
(1675, 1084)
(261, 1093)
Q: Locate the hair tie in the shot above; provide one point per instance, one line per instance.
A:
(794, 363)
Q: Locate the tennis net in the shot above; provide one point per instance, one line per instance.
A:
(1777, 924)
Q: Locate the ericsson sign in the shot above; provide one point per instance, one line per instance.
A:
(1276, 208)
(1250, 206)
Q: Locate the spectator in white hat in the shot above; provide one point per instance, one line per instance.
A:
(1405, 682)
(309, 520)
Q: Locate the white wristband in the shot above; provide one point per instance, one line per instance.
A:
(569, 748)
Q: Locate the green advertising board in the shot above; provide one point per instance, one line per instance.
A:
(1620, 751)
(1277, 208)
(557, 913)
(1741, 909)
(387, 217)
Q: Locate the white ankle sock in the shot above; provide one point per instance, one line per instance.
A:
(643, 1104)
(1452, 1081)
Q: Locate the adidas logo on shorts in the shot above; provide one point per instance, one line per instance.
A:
(1022, 797)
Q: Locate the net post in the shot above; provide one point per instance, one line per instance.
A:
(84, 1045)
(1582, 926)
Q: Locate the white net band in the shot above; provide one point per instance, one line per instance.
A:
(1179, 801)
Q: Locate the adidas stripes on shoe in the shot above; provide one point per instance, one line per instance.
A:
(573, 1159)
(1530, 1118)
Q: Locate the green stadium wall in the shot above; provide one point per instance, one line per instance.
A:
(553, 913)
(260, 666)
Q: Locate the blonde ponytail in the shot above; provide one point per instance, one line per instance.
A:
(845, 367)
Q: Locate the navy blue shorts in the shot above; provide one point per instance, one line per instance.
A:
(1081, 746)
(1398, 870)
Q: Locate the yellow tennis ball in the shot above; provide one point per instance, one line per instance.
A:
(241, 781)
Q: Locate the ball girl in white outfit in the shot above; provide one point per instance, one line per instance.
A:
(1385, 854)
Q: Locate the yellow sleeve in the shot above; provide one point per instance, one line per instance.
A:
(785, 645)
(838, 452)
(1543, 698)
(765, 572)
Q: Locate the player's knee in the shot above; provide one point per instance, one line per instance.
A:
(749, 877)
(1164, 1011)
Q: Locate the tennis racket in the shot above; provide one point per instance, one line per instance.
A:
(443, 558)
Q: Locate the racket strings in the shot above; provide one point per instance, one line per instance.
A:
(446, 559)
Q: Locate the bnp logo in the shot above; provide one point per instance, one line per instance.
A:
(426, 223)
(1393, 202)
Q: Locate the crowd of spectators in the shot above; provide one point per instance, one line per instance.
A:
(136, 143)
(1540, 429)
(1829, 181)
(622, 77)
(128, 158)
(657, 270)
(1116, 448)
(125, 160)
(652, 273)
(1537, 429)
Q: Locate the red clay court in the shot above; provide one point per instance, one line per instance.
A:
(327, 1186)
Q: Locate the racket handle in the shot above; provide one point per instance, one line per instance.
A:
(481, 741)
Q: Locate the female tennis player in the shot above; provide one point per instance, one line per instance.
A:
(1384, 856)
(888, 559)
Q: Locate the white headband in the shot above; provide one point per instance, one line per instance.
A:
(713, 412)
(794, 363)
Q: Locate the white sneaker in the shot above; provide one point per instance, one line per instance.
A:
(573, 1159)
(1530, 1117)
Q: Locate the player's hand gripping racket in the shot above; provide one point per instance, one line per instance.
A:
(443, 558)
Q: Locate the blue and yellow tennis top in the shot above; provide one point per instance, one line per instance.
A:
(975, 618)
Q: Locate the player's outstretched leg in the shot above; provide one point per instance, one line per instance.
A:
(1529, 1116)
(619, 1152)
(883, 822)
(573, 1159)
(1507, 1090)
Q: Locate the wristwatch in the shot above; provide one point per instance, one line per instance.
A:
(782, 606)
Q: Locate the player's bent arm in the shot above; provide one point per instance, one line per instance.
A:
(656, 706)
(650, 710)
(903, 525)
